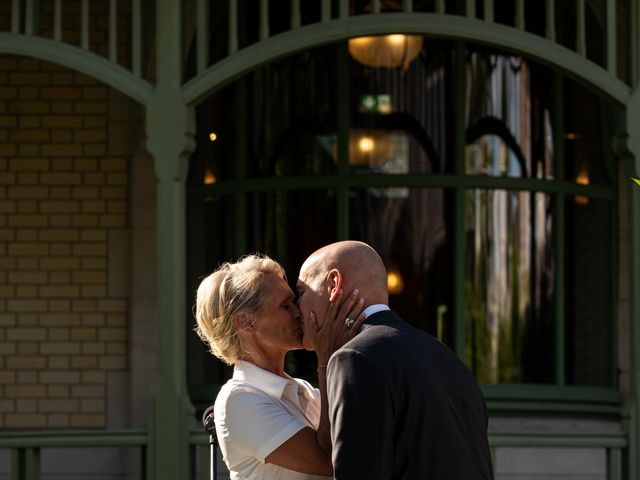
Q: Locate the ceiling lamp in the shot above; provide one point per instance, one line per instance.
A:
(209, 176)
(369, 147)
(386, 50)
(395, 284)
(582, 179)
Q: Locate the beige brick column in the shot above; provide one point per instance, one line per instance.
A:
(62, 328)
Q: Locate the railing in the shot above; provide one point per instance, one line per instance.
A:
(31, 18)
(93, 26)
(613, 443)
(345, 9)
(26, 447)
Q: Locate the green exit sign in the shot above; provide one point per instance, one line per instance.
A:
(375, 103)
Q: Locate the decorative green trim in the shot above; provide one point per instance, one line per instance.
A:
(499, 439)
(632, 169)
(552, 399)
(449, 26)
(170, 139)
(17, 462)
(507, 407)
(607, 440)
(634, 319)
(79, 60)
(547, 392)
(614, 463)
(198, 438)
(73, 438)
(408, 180)
(635, 41)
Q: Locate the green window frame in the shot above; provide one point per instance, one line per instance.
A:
(557, 397)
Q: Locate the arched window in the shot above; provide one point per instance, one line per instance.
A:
(483, 179)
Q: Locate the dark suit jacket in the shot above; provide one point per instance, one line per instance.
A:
(403, 406)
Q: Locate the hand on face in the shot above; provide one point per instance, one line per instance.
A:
(309, 329)
(341, 323)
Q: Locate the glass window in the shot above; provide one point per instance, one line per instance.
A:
(402, 111)
(589, 290)
(586, 135)
(292, 116)
(211, 240)
(411, 229)
(508, 117)
(288, 225)
(497, 245)
(509, 286)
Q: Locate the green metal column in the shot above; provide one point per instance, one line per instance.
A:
(633, 169)
(170, 139)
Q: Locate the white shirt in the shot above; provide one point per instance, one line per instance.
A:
(256, 412)
(378, 307)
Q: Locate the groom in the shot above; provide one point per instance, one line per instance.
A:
(402, 405)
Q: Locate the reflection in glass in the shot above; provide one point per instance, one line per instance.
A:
(388, 51)
(509, 286)
(412, 233)
(291, 105)
(212, 161)
(289, 225)
(587, 137)
(508, 108)
(491, 155)
(589, 293)
(411, 103)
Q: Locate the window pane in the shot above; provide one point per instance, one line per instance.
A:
(508, 109)
(292, 115)
(400, 114)
(491, 155)
(288, 226)
(412, 230)
(588, 267)
(214, 158)
(587, 137)
(509, 286)
(211, 241)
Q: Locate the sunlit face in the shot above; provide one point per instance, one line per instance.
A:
(277, 322)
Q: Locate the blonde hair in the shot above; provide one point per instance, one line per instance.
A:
(232, 289)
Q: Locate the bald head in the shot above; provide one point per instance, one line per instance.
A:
(360, 266)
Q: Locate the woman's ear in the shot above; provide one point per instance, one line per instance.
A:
(244, 322)
(334, 283)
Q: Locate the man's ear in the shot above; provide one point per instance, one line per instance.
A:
(244, 322)
(334, 283)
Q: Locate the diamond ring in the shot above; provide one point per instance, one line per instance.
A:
(348, 322)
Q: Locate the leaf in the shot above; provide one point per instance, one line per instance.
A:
(636, 180)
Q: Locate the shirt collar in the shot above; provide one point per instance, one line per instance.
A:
(378, 307)
(255, 376)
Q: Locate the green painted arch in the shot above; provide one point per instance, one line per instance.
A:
(449, 26)
(79, 60)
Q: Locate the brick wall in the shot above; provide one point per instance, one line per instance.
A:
(62, 327)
